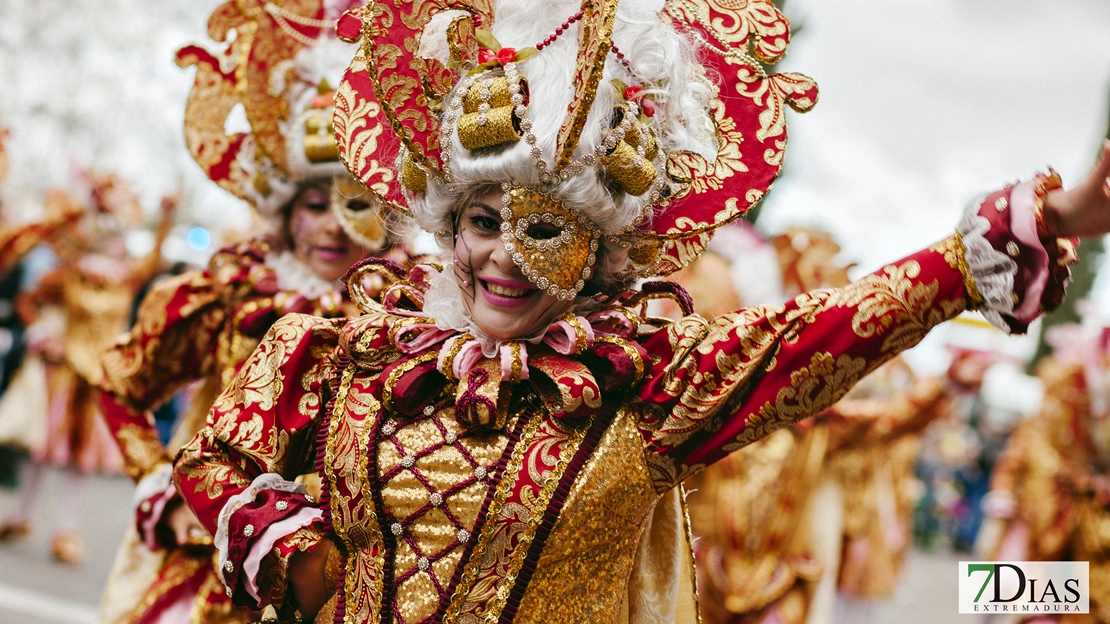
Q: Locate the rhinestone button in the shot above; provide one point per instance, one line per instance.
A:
(464, 536)
(423, 564)
(436, 499)
(281, 505)
(396, 528)
(229, 567)
(227, 590)
(480, 472)
(1013, 249)
(248, 530)
(450, 437)
(1001, 204)
(308, 497)
(428, 411)
(407, 461)
(388, 428)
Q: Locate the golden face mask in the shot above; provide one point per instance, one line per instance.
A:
(358, 212)
(554, 245)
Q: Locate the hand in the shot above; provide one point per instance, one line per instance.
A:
(308, 578)
(1085, 209)
(187, 530)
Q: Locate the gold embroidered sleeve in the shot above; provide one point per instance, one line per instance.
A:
(720, 384)
(265, 422)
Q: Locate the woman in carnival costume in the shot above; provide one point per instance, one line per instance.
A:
(502, 440)
(72, 315)
(1049, 497)
(201, 326)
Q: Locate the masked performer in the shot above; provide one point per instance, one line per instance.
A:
(1050, 490)
(72, 316)
(203, 325)
(502, 440)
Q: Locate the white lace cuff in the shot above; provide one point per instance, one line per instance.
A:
(263, 482)
(272, 535)
(152, 494)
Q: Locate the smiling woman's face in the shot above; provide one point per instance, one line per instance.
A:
(500, 299)
(318, 239)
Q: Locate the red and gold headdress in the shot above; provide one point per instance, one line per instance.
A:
(432, 97)
(279, 64)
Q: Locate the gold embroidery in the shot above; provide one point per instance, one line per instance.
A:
(953, 250)
(891, 299)
(140, 449)
(812, 388)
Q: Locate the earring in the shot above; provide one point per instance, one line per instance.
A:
(455, 261)
(466, 283)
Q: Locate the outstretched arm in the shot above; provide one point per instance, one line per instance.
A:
(715, 386)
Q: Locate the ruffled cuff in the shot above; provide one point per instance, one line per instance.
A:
(152, 494)
(1015, 268)
(251, 525)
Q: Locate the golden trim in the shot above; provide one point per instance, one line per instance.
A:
(387, 391)
(333, 434)
(355, 288)
(456, 345)
(965, 272)
(396, 328)
(518, 364)
(581, 339)
(631, 351)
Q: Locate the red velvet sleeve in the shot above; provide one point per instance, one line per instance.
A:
(718, 385)
(237, 473)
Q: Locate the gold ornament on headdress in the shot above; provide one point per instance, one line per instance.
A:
(319, 133)
(554, 245)
(489, 111)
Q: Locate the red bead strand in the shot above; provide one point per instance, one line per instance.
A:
(558, 31)
(621, 58)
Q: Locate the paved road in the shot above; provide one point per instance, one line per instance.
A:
(34, 589)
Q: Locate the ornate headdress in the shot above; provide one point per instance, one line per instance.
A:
(280, 64)
(649, 146)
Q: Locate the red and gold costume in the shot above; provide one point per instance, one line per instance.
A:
(200, 327)
(602, 433)
(1049, 497)
(534, 479)
(91, 293)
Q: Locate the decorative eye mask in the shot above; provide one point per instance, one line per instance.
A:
(358, 212)
(554, 245)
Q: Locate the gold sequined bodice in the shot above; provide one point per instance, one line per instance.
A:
(435, 480)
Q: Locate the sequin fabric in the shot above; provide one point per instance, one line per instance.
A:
(434, 479)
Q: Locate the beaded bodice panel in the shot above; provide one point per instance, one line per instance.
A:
(434, 479)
